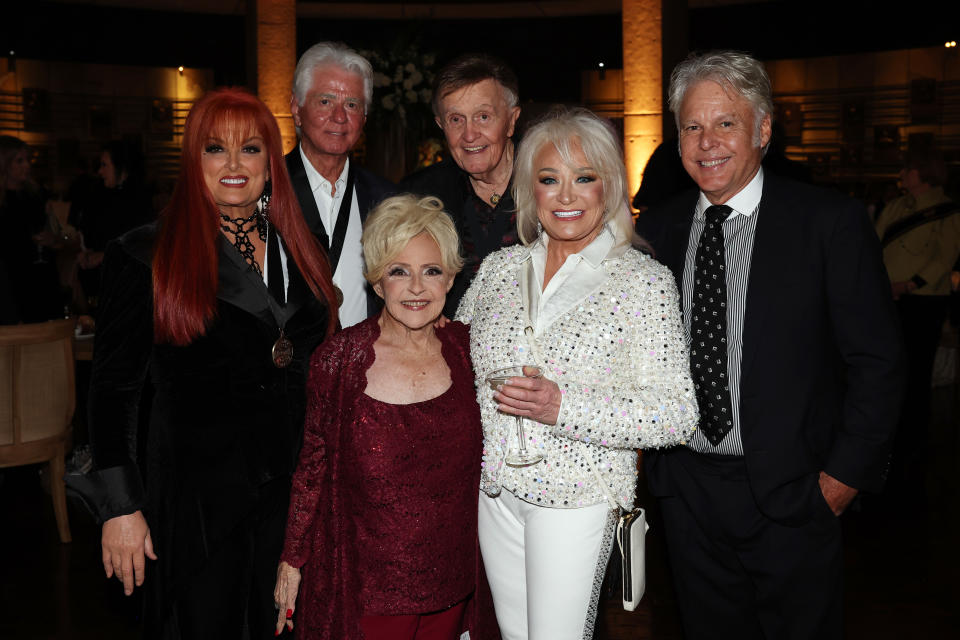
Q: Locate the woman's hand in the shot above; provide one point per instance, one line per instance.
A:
(534, 398)
(285, 595)
(124, 541)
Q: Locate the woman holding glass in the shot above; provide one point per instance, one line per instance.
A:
(381, 536)
(598, 323)
(221, 303)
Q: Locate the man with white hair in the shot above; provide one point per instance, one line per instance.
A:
(332, 89)
(796, 357)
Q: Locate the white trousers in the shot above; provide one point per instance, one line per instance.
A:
(544, 566)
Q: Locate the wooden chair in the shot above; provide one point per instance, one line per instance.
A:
(37, 399)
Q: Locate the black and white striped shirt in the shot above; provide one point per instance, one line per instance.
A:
(738, 234)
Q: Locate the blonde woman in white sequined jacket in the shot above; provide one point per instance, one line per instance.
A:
(602, 321)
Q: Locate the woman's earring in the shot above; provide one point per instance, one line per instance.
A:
(263, 218)
(539, 228)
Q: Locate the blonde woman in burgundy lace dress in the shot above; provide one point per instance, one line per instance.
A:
(381, 535)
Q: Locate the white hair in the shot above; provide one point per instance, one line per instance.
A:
(563, 128)
(336, 54)
(732, 70)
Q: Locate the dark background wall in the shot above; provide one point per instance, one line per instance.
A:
(548, 53)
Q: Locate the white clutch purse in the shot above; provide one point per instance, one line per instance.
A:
(631, 537)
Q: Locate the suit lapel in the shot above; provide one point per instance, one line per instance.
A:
(362, 190)
(771, 236)
(308, 204)
(367, 196)
(298, 292)
(239, 285)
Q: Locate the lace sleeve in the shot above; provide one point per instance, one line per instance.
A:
(311, 481)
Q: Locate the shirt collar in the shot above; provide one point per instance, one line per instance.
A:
(744, 203)
(594, 253)
(317, 181)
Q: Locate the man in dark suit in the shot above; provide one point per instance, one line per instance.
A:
(796, 355)
(332, 89)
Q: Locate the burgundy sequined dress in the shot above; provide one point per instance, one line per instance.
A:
(383, 512)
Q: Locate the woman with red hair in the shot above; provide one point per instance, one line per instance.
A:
(221, 302)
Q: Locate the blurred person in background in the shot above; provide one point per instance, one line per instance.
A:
(30, 266)
(920, 236)
(122, 204)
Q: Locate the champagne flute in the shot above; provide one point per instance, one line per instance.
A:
(52, 228)
(522, 457)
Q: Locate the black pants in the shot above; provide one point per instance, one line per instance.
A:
(232, 595)
(739, 575)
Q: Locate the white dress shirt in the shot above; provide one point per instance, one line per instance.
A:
(580, 274)
(349, 274)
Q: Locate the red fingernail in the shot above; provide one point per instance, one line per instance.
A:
(289, 613)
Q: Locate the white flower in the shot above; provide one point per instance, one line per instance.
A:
(415, 78)
(408, 84)
(426, 95)
(398, 74)
(411, 95)
(380, 79)
(428, 60)
(388, 103)
(410, 67)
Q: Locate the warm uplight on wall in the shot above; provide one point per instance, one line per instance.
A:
(950, 44)
(642, 85)
(180, 69)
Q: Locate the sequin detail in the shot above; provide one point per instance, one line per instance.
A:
(619, 357)
(413, 469)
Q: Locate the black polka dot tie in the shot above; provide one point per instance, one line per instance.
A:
(708, 329)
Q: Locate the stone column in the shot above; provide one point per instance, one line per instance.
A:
(276, 55)
(642, 85)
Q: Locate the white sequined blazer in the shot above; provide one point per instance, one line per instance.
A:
(619, 356)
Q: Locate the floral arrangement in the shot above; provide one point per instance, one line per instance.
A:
(430, 151)
(402, 84)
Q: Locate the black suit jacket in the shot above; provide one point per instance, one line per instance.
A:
(370, 188)
(822, 372)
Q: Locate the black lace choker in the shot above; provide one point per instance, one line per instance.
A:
(240, 228)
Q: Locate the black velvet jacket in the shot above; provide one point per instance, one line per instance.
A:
(224, 420)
